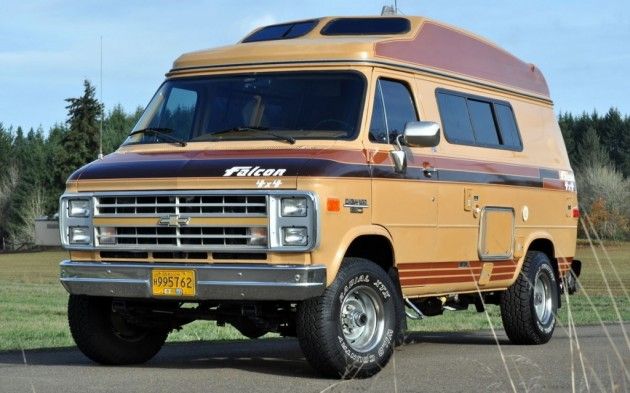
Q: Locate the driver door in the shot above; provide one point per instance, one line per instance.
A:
(405, 203)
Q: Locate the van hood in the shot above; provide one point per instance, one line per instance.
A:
(220, 169)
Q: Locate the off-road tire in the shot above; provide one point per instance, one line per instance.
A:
(520, 319)
(92, 327)
(319, 322)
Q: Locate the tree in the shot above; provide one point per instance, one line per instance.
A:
(80, 144)
(590, 151)
(118, 124)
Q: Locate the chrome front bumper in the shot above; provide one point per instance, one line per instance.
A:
(214, 282)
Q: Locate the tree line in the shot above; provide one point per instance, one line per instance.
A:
(599, 150)
(34, 165)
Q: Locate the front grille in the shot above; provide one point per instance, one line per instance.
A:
(181, 221)
(190, 205)
(186, 237)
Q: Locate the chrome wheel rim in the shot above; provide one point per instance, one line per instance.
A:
(362, 318)
(543, 303)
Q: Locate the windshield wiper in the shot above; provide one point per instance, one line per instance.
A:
(207, 136)
(162, 133)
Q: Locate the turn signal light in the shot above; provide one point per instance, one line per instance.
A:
(333, 205)
(575, 212)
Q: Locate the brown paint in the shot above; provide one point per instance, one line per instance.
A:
(448, 49)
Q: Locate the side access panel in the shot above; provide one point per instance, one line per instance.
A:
(496, 233)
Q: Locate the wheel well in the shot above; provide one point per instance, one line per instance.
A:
(546, 246)
(376, 248)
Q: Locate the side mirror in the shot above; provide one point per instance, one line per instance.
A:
(416, 134)
(421, 134)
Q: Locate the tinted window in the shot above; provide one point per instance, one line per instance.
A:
(505, 118)
(483, 122)
(393, 108)
(473, 120)
(455, 118)
(302, 105)
(178, 113)
(366, 26)
(280, 32)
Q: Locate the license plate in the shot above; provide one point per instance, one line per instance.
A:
(173, 282)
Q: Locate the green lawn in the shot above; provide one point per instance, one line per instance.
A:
(33, 303)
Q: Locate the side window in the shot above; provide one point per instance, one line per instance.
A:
(477, 121)
(455, 118)
(483, 122)
(393, 108)
(509, 131)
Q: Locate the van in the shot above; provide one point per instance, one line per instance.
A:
(326, 179)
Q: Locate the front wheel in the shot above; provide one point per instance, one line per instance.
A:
(530, 305)
(349, 331)
(106, 337)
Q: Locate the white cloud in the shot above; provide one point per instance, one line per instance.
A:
(249, 24)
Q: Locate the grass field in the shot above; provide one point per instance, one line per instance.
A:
(33, 303)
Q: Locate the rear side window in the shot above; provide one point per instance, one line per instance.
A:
(507, 124)
(393, 108)
(483, 122)
(455, 119)
(478, 121)
(366, 26)
(281, 32)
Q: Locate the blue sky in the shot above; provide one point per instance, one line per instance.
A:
(48, 47)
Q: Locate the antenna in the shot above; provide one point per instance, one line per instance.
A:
(389, 10)
(100, 131)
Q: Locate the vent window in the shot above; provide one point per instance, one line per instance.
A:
(366, 26)
(281, 32)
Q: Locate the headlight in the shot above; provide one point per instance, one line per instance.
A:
(79, 235)
(294, 236)
(78, 208)
(293, 207)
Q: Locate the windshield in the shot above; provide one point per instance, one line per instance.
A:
(291, 105)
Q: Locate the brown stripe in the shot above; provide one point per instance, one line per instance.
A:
(503, 276)
(554, 184)
(438, 280)
(451, 265)
(452, 272)
(382, 157)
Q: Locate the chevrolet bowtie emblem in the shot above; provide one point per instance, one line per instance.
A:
(174, 220)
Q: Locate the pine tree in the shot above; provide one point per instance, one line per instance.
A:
(117, 126)
(80, 144)
(590, 151)
(612, 135)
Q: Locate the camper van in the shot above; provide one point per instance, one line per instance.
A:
(326, 179)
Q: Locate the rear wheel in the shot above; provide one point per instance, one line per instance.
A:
(106, 337)
(529, 306)
(349, 331)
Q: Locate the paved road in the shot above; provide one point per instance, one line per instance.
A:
(437, 362)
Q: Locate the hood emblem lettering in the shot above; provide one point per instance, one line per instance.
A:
(253, 171)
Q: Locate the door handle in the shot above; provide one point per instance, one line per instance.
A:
(428, 170)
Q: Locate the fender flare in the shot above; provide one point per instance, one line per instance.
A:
(333, 267)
